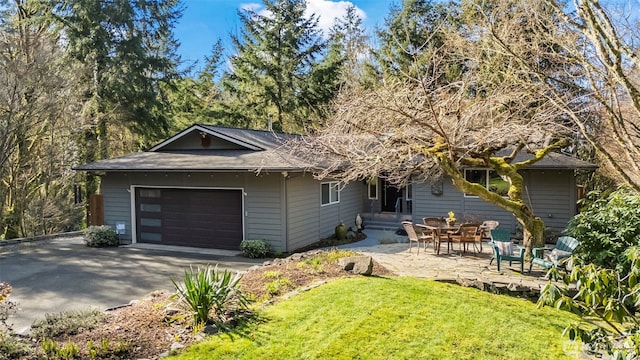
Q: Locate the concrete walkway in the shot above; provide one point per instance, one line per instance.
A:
(451, 267)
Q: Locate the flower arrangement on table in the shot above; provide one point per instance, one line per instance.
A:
(451, 220)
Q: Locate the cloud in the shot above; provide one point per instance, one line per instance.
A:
(250, 6)
(327, 11)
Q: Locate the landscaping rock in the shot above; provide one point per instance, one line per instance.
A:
(362, 265)
(170, 311)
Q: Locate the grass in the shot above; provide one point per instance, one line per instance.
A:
(393, 318)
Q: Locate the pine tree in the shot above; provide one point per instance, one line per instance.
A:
(411, 34)
(349, 39)
(278, 70)
(128, 50)
(197, 99)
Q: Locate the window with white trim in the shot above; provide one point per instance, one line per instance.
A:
(372, 187)
(489, 179)
(330, 193)
(409, 189)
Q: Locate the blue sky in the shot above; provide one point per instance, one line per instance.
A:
(204, 21)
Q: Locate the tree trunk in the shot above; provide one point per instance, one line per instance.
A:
(532, 226)
(532, 232)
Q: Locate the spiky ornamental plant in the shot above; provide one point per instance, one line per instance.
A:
(211, 290)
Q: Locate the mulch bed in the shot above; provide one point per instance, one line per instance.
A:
(153, 325)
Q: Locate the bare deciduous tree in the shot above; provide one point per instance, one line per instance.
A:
(36, 141)
(416, 129)
(406, 134)
(598, 50)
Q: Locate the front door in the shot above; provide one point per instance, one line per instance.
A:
(390, 196)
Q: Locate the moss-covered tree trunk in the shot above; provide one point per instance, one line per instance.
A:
(533, 226)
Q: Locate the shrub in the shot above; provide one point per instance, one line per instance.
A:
(7, 307)
(66, 323)
(101, 236)
(606, 228)
(67, 351)
(388, 237)
(106, 349)
(315, 262)
(271, 274)
(209, 289)
(335, 254)
(606, 301)
(12, 347)
(255, 248)
(275, 287)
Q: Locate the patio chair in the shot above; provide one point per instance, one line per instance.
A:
(486, 228)
(432, 221)
(437, 235)
(417, 236)
(466, 234)
(559, 256)
(504, 249)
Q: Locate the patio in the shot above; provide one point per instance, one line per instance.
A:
(468, 269)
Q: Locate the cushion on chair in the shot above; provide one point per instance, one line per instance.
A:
(555, 255)
(504, 247)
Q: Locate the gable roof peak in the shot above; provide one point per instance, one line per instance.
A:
(246, 138)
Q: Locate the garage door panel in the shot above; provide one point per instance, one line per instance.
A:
(191, 217)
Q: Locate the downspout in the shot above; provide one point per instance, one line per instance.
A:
(285, 210)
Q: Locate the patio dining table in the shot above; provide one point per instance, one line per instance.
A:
(447, 230)
(442, 230)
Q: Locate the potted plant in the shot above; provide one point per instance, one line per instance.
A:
(451, 220)
(341, 231)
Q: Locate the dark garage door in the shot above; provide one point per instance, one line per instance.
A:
(187, 217)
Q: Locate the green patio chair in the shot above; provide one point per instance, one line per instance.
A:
(558, 256)
(504, 249)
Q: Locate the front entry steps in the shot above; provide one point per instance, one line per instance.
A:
(384, 221)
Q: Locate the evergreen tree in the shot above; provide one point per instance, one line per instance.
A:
(197, 100)
(349, 41)
(278, 70)
(412, 32)
(128, 50)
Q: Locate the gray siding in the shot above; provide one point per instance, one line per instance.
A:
(553, 197)
(303, 210)
(552, 194)
(345, 211)
(117, 209)
(193, 141)
(308, 221)
(426, 204)
(263, 219)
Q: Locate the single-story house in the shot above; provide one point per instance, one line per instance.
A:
(211, 186)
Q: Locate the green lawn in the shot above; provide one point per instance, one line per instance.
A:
(394, 318)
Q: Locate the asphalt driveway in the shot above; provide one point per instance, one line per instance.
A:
(63, 274)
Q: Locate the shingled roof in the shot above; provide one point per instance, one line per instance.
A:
(236, 150)
(247, 150)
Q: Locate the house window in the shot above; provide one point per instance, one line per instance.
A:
(487, 178)
(409, 192)
(372, 186)
(497, 184)
(330, 193)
